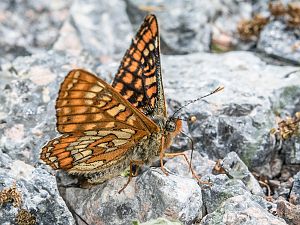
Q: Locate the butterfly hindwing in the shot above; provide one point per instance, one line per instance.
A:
(89, 151)
(139, 76)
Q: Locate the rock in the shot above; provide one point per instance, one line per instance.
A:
(148, 196)
(283, 190)
(238, 119)
(193, 26)
(271, 169)
(184, 25)
(235, 168)
(279, 40)
(241, 210)
(289, 212)
(201, 164)
(103, 31)
(295, 193)
(291, 149)
(160, 221)
(287, 97)
(224, 188)
(37, 192)
(224, 25)
(30, 26)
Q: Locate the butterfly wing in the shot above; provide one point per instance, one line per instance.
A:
(98, 124)
(139, 76)
(85, 102)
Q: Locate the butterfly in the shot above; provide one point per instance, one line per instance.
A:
(106, 128)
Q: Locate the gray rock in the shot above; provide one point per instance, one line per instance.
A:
(201, 164)
(148, 196)
(192, 26)
(225, 23)
(295, 192)
(223, 188)
(39, 193)
(277, 39)
(291, 150)
(243, 211)
(288, 97)
(184, 25)
(99, 28)
(160, 221)
(235, 168)
(30, 26)
(239, 118)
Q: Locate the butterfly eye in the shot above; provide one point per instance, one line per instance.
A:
(170, 126)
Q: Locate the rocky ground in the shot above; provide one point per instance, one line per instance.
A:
(256, 179)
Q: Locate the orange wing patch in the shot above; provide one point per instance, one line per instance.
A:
(85, 102)
(139, 71)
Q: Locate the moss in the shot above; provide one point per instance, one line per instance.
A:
(11, 195)
(25, 218)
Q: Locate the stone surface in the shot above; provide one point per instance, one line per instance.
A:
(235, 168)
(295, 193)
(224, 188)
(31, 26)
(39, 193)
(239, 118)
(279, 40)
(184, 25)
(148, 196)
(161, 221)
(291, 149)
(104, 32)
(289, 212)
(193, 26)
(201, 164)
(241, 210)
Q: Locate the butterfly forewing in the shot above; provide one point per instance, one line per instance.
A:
(85, 102)
(139, 76)
(99, 125)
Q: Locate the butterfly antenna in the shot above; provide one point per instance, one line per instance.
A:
(220, 88)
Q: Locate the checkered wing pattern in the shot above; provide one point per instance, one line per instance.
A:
(139, 76)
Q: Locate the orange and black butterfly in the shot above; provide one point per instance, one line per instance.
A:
(105, 128)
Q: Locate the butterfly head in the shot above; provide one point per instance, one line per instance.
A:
(173, 125)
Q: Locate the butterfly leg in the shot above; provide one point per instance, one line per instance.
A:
(172, 155)
(132, 162)
(161, 157)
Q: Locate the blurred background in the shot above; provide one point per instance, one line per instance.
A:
(103, 29)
